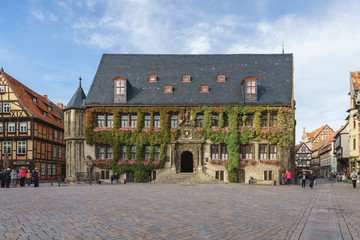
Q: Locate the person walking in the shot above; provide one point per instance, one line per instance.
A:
(35, 176)
(312, 179)
(115, 178)
(2, 178)
(7, 177)
(28, 178)
(13, 177)
(282, 179)
(22, 173)
(288, 177)
(354, 178)
(303, 179)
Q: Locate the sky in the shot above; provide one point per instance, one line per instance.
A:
(47, 45)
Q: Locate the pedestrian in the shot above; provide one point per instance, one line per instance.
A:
(13, 177)
(354, 178)
(303, 179)
(288, 177)
(312, 179)
(282, 179)
(28, 178)
(112, 179)
(2, 178)
(335, 177)
(115, 178)
(35, 176)
(22, 173)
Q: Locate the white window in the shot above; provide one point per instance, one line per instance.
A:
(49, 169)
(21, 147)
(49, 108)
(54, 169)
(11, 127)
(45, 114)
(1, 127)
(2, 89)
(60, 153)
(42, 169)
(55, 134)
(101, 151)
(34, 100)
(61, 135)
(54, 151)
(23, 127)
(6, 147)
(6, 107)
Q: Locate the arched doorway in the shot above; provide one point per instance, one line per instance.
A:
(187, 163)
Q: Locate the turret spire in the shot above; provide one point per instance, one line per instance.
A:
(80, 81)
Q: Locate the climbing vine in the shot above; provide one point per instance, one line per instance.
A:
(227, 131)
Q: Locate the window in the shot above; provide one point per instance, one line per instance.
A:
(157, 152)
(124, 121)
(204, 89)
(168, 89)
(60, 153)
(120, 87)
(354, 143)
(45, 114)
(1, 127)
(156, 120)
(273, 152)
(101, 151)
(265, 175)
(49, 108)
(224, 152)
(101, 120)
(263, 151)
(174, 120)
(133, 152)
(221, 78)
(53, 169)
(109, 120)
(264, 120)
(133, 120)
(61, 135)
(214, 151)
(34, 100)
(21, 147)
(199, 120)
(246, 152)
(214, 120)
(23, 126)
(109, 152)
(273, 120)
(250, 86)
(105, 175)
(123, 152)
(152, 78)
(186, 78)
(6, 147)
(249, 120)
(354, 123)
(55, 134)
(49, 167)
(58, 120)
(11, 127)
(147, 152)
(147, 120)
(6, 107)
(42, 169)
(219, 175)
(54, 150)
(2, 89)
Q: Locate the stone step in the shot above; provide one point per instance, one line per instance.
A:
(186, 178)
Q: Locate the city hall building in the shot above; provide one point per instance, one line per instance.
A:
(183, 118)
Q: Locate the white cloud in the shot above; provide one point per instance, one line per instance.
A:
(38, 14)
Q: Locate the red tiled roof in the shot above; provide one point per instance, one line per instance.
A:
(297, 147)
(313, 134)
(38, 108)
(355, 77)
(327, 143)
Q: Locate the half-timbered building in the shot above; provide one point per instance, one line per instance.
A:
(302, 156)
(31, 129)
(178, 117)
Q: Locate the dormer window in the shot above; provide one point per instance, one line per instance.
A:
(168, 89)
(186, 78)
(204, 88)
(120, 85)
(2, 89)
(152, 78)
(251, 86)
(49, 108)
(45, 114)
(221, 78)
(34, 100)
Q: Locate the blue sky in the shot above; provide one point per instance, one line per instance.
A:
(47, 45)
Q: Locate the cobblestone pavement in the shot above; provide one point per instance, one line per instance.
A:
(152, 211)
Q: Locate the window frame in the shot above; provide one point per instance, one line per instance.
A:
(152, 78)
(214, 120)
(272, 153)
(23, 127)
(156, 152)
(54, 152)
(21, 147)
(221, 76)
(1, 127)
(199, 121)
(251, 86)
(11, 128)
(6, 108)
(157, 120)
(204, 88)
(133, 152)
(168, 89)
(147, 120)
(6, 145)
(2, 88)
(123, 152)
(120, 86)
(174, 120)
(133, 120)
(147, 152)
(186, 76)
(124, 120)
(263, 152)
(42, 169)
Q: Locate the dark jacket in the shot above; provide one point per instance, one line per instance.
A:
(312, 177)
(35, 176)
(7, 175)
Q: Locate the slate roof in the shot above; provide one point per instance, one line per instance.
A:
(26, 95)
(274, 73)
(77, 99)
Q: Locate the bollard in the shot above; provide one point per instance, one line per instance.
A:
(59, 181)
(124, 181)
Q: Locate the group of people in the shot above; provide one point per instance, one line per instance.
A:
(304, 177)
(11, 178)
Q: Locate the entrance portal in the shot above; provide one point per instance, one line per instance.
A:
(187, 163)
(241, 176)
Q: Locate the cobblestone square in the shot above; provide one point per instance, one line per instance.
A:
(156, 211)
